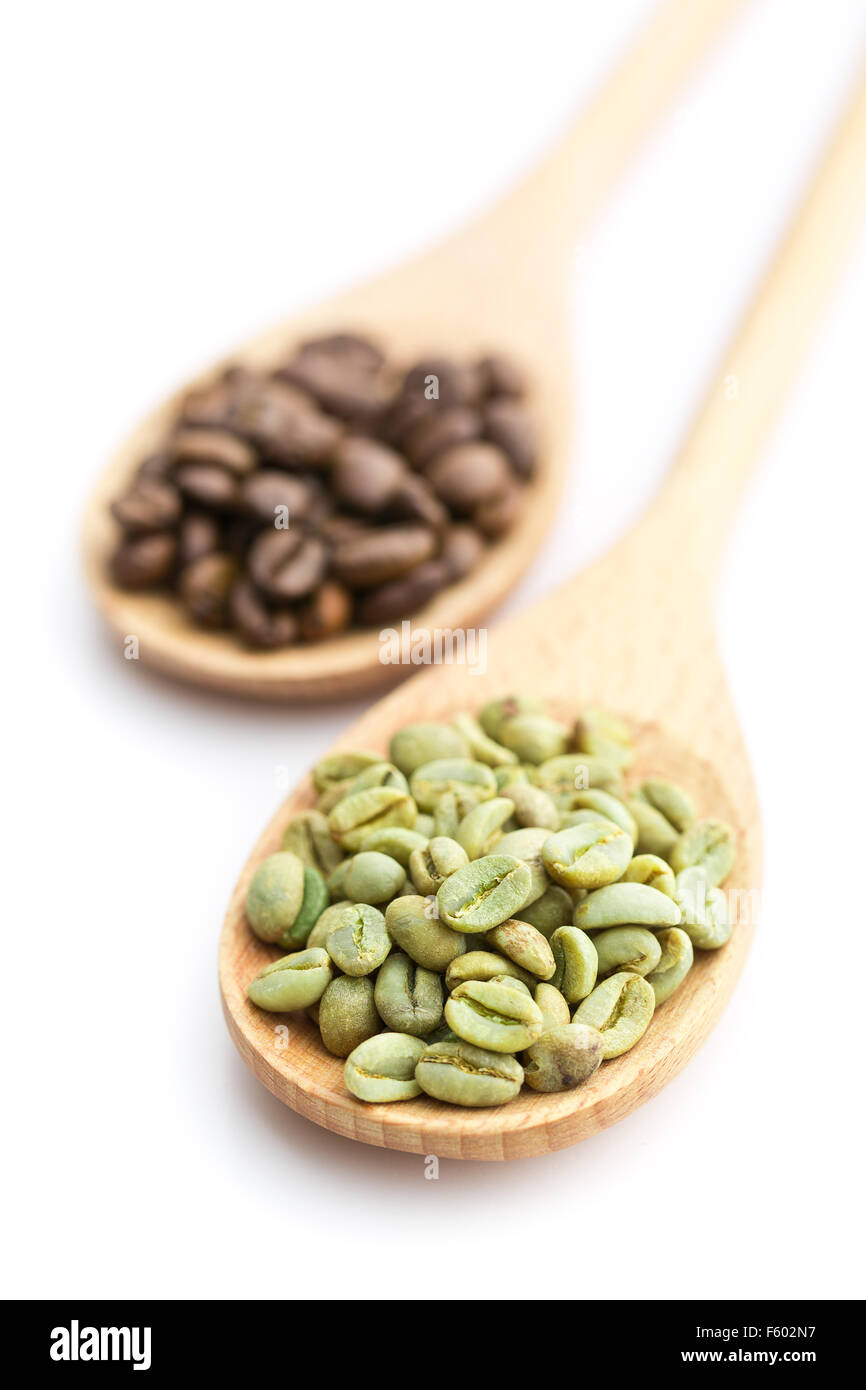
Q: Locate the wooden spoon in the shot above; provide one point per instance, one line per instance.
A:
(634, 633)
(501, 283)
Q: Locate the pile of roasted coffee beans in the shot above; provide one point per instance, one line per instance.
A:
(332, 492)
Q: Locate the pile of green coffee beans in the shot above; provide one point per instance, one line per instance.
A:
(489, 907)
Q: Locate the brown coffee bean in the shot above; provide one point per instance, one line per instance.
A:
(339, 527)
(405, 413)
(500, 376)
(374, 558)
(209, 486)
(328, 611)
(401, 597)
(204, 587)
(258, 624)
(193, 445)
(140, 562)
(358, 353)
(211, 405)
(414, 500)
(286, 564)
(454, 383)
(155, 466)
(497, 516)
(342, 374)
(284, 425)
(468, 474)
(365, 474)
(462, 548)
(509, 424)
(439, 430)
(151, 505)
(268, 489)
(198, 535)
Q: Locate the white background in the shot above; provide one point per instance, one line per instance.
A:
(177, 176)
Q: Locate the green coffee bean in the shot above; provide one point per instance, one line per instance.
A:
(626, 948)
(670, 801)
(373, 878)
(576, 963)
(275, 895)
(413, 923)
(294, 982)
(534, 737)
(602, 734)
(562, 776)
(566, 819)
(511, 981)
(341, 767)
(316, 898)
(424, 825)
(608, 806)
(493, 1015)
(527, 844)
(532, 806)
(481, 747)
(484, 893)
(522, 944)
(429, 867)
(383, 1068)
(332, 917)
(708, 845)
(360, 942)
(408, 997)
(397, 841)
(457, 1072)
(626, 904)
(704, 909)
(433, 779)
(494, 715)
(553, 909)
(336, 882)
(621, 1007)
(449, 813)
(347, 1014)
(650, 869)
(479, 831)
(353, 818)
(655, 835)
(511, 775)
(379, 775)
(553, 1005)
(484, 965)
(308, 836)
(587, 856)
(417, 744)
(563, 1057)
(675, 963)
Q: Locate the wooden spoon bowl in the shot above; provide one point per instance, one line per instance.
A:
(300, 1072)
(501, 284)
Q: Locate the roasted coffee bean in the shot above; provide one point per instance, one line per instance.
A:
(402, 596)
(366, 474)
(140, 562)
(326, 612)
(462, 548)
(341, 375)
(264, 493)
(371, 559)
(509, 424)
(444, 381)
(192, 445)
(285, 426)
(496, 516)
(286, 565)
(413, 499)
(501, 377)
(259, 625)
(152, 505)
(209, 485)
(198, 535)
(204, 587)
(468, 474)
(433, 433)
(156, 467)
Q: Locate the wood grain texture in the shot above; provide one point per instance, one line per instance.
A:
(501, 283)
(635, 633)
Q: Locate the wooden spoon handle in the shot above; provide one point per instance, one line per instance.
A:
(546, 210)
(691, 515)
